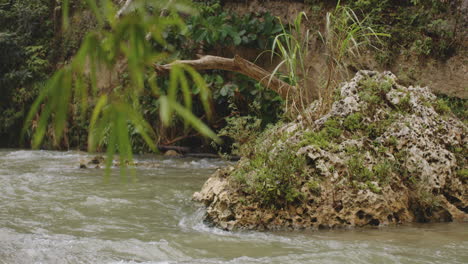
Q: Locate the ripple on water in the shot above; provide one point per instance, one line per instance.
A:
(99, 201)
(194, 164)
(57, 248)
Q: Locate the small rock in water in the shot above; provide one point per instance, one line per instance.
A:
(96, 160)
(83, 166)
(172, 153)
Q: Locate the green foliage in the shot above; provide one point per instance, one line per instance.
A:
(345, 37)
(376, 129)
(382, 171)
(357, 169)
(115, 109)
(245, 97)
(215, 27)
(420, 27)
(314, 186)
(346, 34)
(332, 128)
(316, 139)
(69, 41)
(445, 105)
(273, 177)
(323, 139)
(292, 46)
(359, 172)
(374, 188)
(242, 129)
(463, 175)
(373, 91)
(354, 122)
(25, 46)
(426, 201)
(176, 42)
(404, 105)
(441, 107)
(458, 106)
(422, 46)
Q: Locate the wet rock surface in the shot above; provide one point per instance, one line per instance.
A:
(394, 160)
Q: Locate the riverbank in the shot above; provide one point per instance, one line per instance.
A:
(385, 154)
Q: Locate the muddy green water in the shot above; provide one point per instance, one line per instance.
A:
(53, 212)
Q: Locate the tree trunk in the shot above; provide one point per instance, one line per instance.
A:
(236, 64)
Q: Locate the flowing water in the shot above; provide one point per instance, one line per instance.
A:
(53, 212)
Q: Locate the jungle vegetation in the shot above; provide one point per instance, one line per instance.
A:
(54, 52)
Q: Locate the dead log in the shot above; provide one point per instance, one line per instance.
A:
(236, 64)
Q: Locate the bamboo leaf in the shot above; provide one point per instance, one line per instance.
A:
(165, 110)
(65, 13)
(195, 122)
(205, 92)
(102, 101)
(142, 127)
(97, 13)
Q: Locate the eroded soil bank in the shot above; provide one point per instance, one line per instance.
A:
(384, 154)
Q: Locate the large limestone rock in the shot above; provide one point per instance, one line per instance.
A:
(394, 159)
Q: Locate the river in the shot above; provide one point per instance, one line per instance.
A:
(53, 212)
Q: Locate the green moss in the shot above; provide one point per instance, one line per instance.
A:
(360, 173)
(382, 150)
(392, 141)
(374, 130)
(374, 188)
(441, 107)
(419, 27)
(318, 139)
(458, 150)
(458, 106)
(351, 149)
(404, 106)
(354, 122)
(373, 92)
(332, 128)
(357, 169)
(324, 138)
(370, 91)
(273, 174)
(463, 174)
(426, 199)
(314, 186)
(383, 172)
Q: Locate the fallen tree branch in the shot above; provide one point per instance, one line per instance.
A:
(236, 64)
